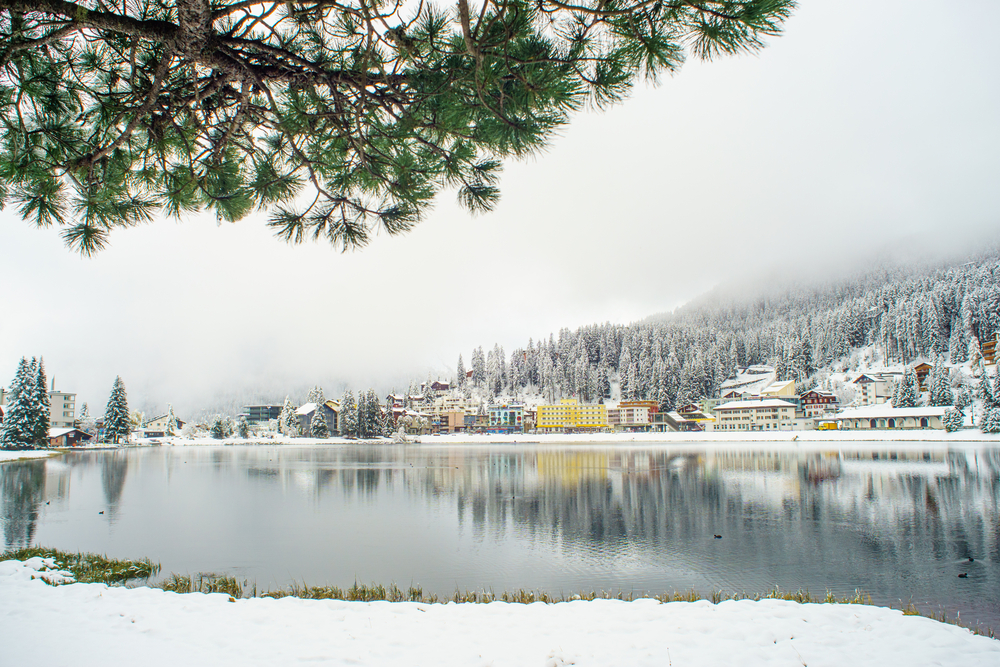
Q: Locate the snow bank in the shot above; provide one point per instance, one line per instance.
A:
(93, 624)
(19, 455)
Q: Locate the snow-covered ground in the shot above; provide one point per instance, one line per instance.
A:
(716, 437)
(18, 455)
(93, 624)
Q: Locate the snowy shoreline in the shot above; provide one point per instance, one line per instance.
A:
(778, 439)
(7, 456)
(94, 624)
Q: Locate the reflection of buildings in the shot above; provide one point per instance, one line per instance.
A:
(22, 487)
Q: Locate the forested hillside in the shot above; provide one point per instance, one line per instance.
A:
(898, 314)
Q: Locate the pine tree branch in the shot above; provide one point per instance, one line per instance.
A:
(88, 161)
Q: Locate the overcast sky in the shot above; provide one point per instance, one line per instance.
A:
(867, 125)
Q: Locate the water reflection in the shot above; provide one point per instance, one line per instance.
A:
(22, 485)
(899, 521)
(114, 468)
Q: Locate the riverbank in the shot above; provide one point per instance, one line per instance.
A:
(7, 455)
(94, 624)
(793, 438)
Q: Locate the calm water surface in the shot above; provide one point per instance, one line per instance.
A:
(898, 521)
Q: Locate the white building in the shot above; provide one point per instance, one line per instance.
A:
(884, 416)
(770, 414)
(875, 388)
(62, 409)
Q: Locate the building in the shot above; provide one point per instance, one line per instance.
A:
(506, 418)
(160, 423)
(331, 412)
(437, 388)
(570, 415)
(447, 413)
(885, 417)
(62, 408)
(261, 413)
(989, 351)
(922, 369)
(67, 437)
(875, 388)
(770, 414)
(635, 415)
(817, 403)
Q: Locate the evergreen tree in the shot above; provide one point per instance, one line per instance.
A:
(316, 396)
(243, 427)
(171, 420)
(16, 432)
(226, 105)
(478, 368)
(41, 405)
(908, 391)
(603, 382)
(460, 373)
(953, 420)
(387, 424)
(939, 384)
(288, 421)
(348, 415)
(317, 425)
(218, 430)
(373, 415)
(117, 424)
(962, 399)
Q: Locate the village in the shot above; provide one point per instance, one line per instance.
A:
(754, 400)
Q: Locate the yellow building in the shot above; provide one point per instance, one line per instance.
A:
(570, 415)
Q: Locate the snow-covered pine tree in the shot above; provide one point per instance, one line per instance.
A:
(16, 430)
(940, 385)
(478, 367)
(908, 394)
(348, 415)
(603, 382)
(288, 421)
(317, 425)
(460, 373)
(388, 424)
(373, 411)
(953, 420)
(316, 396)
(41, 405)
(990, 422)
(361, 430)
(218, 430)
(171, 420)
(962, 399)
(243, 427)
(117, 424)
(625, 378)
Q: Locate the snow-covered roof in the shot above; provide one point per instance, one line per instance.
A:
(306, 409)
(60, 432)
(762, 403)
(886, 411)
(778, 386)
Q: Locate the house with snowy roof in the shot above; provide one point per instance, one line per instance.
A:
(67, 437)
(818, 403)
(331, 412)
(875, 388)
(884, 416)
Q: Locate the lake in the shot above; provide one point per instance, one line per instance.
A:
(898, 520)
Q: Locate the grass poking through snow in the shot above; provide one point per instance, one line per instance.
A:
(90, 568)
